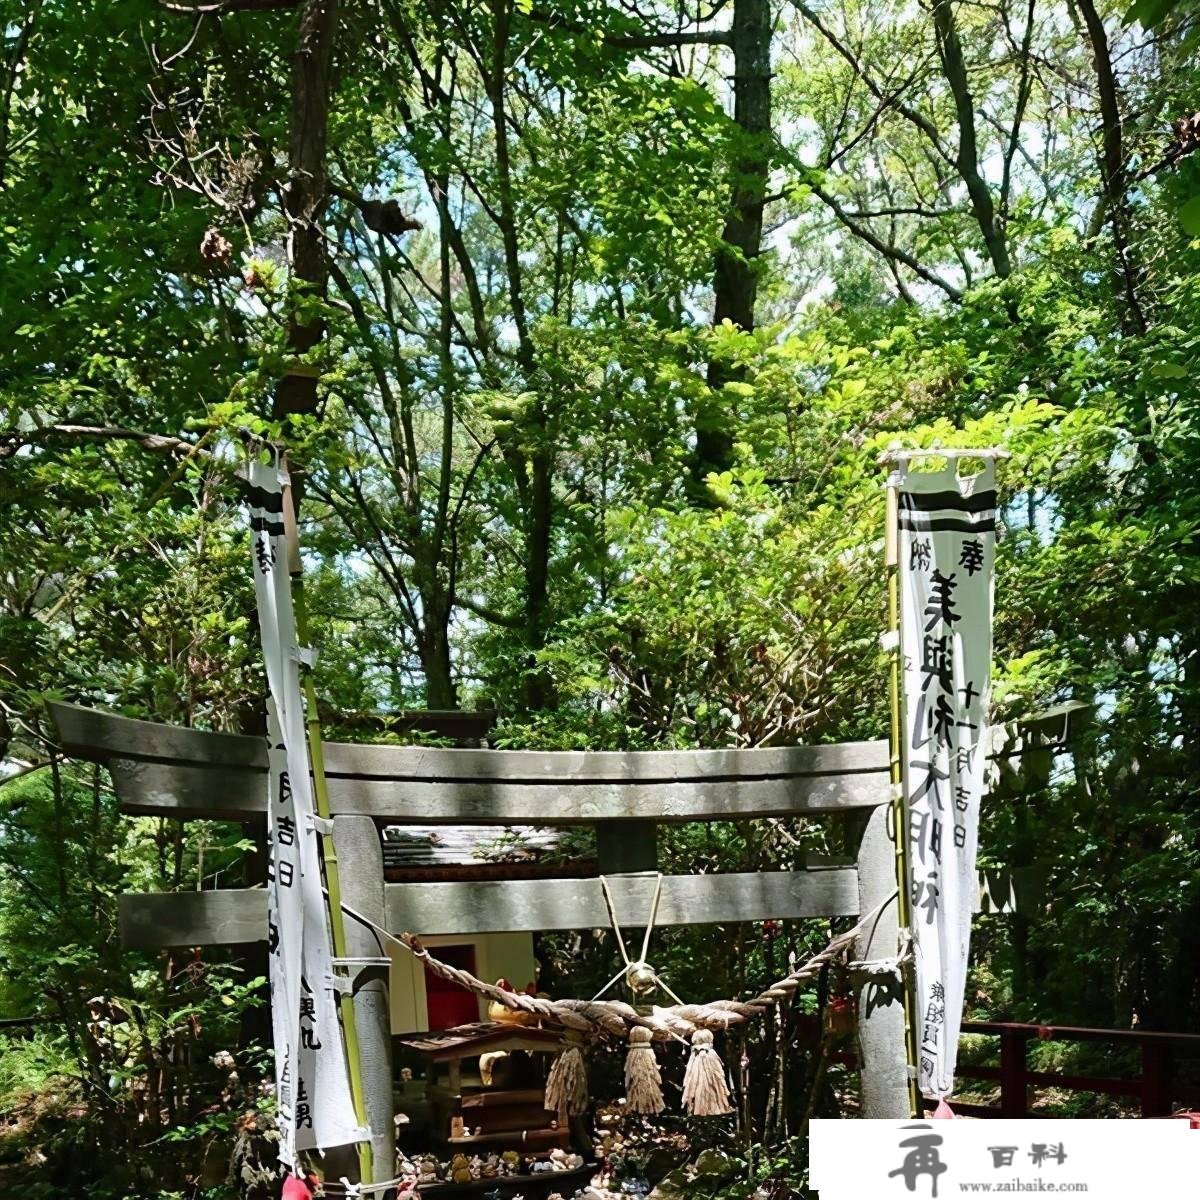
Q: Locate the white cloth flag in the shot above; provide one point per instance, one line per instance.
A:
(315, 1109)
(947, 546)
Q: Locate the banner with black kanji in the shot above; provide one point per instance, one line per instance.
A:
(312, 1087)
(947, 546)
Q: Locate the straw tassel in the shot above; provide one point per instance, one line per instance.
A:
(705, 1093)
(566, 1086)
(643, 1081)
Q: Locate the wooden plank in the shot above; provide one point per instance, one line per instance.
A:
(1079, 1033)
(234, 793)
(236, 915)
(219, 918)
(96, 735)
(460, 725)
(240, 915)
(92, 734)
(537, 904)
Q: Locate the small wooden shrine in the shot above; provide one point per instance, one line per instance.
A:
(486, 1087)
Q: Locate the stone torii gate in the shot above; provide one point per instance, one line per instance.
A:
(187, 774)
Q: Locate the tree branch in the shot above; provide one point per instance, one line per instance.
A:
(508, 620)
(954, 67)
(909, 113)
(873, 240)
(226, 6)
(636, 41)
(10, 443)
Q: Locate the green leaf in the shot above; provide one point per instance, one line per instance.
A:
(1189, 216)
(1149, 13)
(1168, 370)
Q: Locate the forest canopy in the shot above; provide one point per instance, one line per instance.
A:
(584, 325)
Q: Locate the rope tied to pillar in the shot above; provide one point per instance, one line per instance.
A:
(597, 1019)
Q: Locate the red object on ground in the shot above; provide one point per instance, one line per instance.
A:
(294, 1188)
(944, 1112)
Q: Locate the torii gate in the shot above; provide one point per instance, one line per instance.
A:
(187, 774)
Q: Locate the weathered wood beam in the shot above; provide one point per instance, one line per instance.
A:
(167, 789)
(232, 916)
(94, 734)
(170, 771)
(239, 915)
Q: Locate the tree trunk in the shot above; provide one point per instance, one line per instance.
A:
(735, 282)
(305, 197)
(1112, 166)
(534, 467)
(434, 650)
(983, 207)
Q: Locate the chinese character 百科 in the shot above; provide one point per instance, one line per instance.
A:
(1039, 1152)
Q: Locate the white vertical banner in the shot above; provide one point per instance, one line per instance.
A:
(947, 548)
(312, 1084)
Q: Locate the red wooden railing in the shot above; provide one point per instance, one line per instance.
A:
(1156, 1086)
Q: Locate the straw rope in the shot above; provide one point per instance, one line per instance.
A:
(614, 1018)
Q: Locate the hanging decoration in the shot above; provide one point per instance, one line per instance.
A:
(947, 540)
(312, 1087)
(640, 977)
(705, 1092)
(566, 1085)
(643, 1080)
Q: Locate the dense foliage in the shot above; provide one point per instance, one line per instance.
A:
(585, 325)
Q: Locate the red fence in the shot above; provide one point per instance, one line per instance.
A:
(1156, 1086)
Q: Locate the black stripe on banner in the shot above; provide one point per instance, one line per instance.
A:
(272, 502)
(933, 501)
(939, 525)
(262, 525)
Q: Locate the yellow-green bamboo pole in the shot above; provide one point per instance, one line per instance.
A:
(333, 885)
(899, 809)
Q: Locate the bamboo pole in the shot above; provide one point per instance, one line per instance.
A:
(896, 767)
(333, 886)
